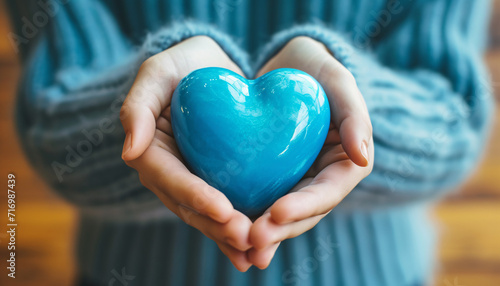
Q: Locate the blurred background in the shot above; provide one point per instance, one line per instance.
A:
(469, 219)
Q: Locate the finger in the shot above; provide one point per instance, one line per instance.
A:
(164, 126)
(330, 153)
(262, 258)
(237, 255)
(238, 258)
(348, 109)
(235, 232)
(156, 80)
(149, 96)
(266, 232)
(324, 192)
(162, 172)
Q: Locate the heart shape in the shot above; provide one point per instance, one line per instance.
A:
(251, 139)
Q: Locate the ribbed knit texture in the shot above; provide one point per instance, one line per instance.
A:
(416, 62)
(379, 248)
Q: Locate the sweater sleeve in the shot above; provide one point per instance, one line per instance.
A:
(76, 76)
(430, 117)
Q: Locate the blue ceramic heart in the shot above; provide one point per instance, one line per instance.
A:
(251, 139)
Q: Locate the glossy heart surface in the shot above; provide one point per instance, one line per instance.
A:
(251, 139)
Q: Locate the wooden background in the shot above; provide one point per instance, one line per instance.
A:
(469, 220)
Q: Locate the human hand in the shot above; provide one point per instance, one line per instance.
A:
(345, 159)
(150, 147)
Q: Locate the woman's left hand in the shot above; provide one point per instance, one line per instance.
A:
(345, 159)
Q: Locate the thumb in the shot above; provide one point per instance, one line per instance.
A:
(149, 96)
(139, 124)
(356, 140)
(349, 112)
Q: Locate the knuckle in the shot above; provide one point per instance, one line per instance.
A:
(124, 112)
(149, 63)
(194, 196)
(197, 186)
(346, 75)
(265, 240)
(343, 74)
(225, 232)
(331, 68)
(142, 180)
(158, 67)
(127, 163)
(205, 38)
(186, 218)
(301, 40)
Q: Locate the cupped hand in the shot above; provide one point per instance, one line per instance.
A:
(345, 159)
(150, 147)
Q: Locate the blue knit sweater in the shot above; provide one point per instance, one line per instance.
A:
(416, 62)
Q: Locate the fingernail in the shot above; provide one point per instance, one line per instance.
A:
(127, 145)
(364, 151)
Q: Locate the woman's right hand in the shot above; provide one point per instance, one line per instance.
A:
(150, 147)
